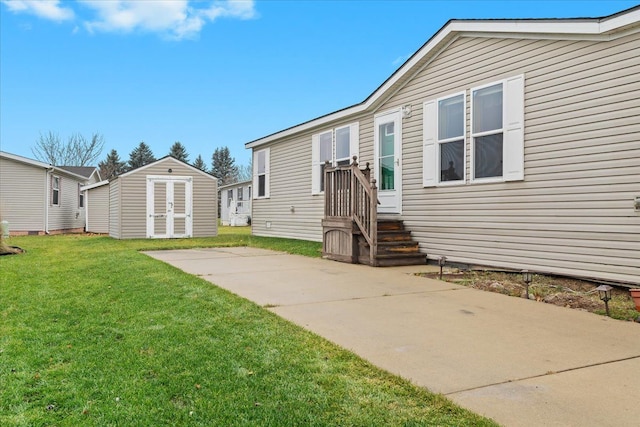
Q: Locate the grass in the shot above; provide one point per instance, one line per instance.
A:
(93, 333)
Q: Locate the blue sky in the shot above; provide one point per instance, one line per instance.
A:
(212, 73)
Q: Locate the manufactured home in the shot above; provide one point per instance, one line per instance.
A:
(504, 143)
(39, 198)
(235, 204)
(164, 199)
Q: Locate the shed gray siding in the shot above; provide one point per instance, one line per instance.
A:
(97, 209)
(23, 191)
(115, 218)
(130, 199)
(572, 214)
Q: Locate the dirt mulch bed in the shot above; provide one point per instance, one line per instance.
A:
(561, 291)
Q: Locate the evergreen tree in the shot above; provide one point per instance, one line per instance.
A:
(223, 166)
(179, 151)
(140, 156)
(112, 166)
(200, 164)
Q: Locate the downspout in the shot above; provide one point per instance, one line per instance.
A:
(47, 195)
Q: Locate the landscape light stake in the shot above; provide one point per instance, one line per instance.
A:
(605, 295)
(441, 262)
(526, 276)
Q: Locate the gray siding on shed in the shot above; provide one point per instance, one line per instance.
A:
(130, 199)
(22, 195)
(114, 209)
(97, 209)
(572, 214)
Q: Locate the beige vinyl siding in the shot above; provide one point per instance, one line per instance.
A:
(132, 208)
(67, 215)
(290, 187)
(114, 209)
(97, 209)
(573, 213)
(23, 193)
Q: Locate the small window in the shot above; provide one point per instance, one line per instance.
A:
(55, 190)
(240, 194)
(229, 197)
(261, 173)
(80, 197)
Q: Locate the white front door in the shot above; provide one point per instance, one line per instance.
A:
(388, 158)
(169, 207)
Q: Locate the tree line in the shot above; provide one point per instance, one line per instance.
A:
(81, 151)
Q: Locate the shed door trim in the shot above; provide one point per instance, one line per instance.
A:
(169, 215)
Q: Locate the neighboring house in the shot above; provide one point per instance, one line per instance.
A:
(164, 199)
(235, 204)
(39, 198)
(506, 143)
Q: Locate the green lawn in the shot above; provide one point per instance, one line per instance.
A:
(94, 333)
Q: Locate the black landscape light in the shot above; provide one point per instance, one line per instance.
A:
(604, 291)
(527, 277)
(441, 262)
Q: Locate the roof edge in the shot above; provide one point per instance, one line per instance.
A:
(551, 26)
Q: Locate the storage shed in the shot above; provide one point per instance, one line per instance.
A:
(164, 199)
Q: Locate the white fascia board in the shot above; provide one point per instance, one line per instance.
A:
(97, 184)
(587, 29)
(166, 159)
(26, 160)
(237, 184)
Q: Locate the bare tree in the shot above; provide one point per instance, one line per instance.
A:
(245, 172)
(77, 151)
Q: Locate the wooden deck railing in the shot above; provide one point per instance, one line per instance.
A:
(351, 193)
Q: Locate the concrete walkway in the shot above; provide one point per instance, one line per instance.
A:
(519, 362)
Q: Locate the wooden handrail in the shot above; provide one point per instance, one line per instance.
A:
(351, 193)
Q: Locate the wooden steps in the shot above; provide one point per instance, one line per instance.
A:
(395, 246)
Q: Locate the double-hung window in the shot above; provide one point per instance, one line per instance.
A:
(496, 142)
(229, 197)
(487, 132)
(261, 173)
(55, 191)
(240, 193)
(335, 146)
(80, 197)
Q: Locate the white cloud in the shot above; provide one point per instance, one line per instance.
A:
(48, 9)
(176, 19)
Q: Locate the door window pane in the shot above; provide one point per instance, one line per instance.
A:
(488, 156)
(386, 174)
(487, 108)
(452, 161)
(386, 139)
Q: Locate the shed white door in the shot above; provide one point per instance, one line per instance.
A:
(169, 207)
(388, 158)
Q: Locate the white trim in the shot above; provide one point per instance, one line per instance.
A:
(395, 195)
(595, 29)
(91, 186)
(266, 173)
(473, 135)
(166, 159)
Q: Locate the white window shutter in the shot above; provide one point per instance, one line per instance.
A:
(354, 141)
(315, 164)
(267, 172)
(513, 144)
(429, 133)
